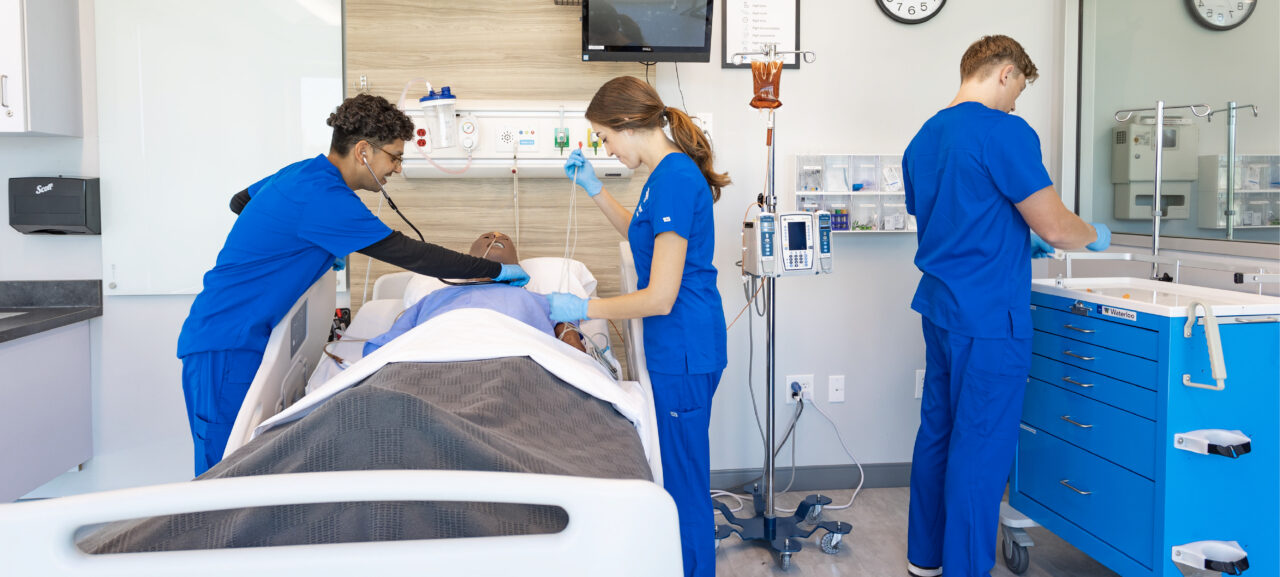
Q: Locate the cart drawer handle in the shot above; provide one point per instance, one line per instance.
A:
(1068, 485)
(1078, 329)
(4, 90)
(1067, 418)
(1071, 354)
(1077, 383)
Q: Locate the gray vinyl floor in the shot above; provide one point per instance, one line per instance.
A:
(878, 545)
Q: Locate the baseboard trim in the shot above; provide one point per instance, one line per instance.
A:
(818, 477)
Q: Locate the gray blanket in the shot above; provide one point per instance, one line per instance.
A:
(499, 415)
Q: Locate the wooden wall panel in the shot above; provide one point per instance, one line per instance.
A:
(485, 50)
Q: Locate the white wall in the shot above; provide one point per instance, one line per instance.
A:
(874, 83)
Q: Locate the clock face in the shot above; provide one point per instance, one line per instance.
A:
(1220, 14)
(911, 11)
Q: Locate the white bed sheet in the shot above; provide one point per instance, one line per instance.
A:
(479, 334)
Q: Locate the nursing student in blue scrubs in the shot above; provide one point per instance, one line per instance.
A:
(293, 226)
(985, 206)
(672, 235)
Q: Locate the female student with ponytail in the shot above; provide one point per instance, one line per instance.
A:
(672, 235)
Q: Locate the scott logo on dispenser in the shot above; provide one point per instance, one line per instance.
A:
(41, 189)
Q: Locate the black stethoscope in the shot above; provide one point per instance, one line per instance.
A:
(365, 160)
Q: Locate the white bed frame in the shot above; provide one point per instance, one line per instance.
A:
(616, 527)
(292, 353)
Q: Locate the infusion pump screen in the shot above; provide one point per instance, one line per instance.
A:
(796, 237)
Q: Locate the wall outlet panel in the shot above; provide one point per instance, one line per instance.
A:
(806, 387)
(835, 389)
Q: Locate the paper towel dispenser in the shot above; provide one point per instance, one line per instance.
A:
(55, 205)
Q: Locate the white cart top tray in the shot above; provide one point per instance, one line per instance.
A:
(1155, 297)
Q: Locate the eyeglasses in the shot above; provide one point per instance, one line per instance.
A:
(397, 159)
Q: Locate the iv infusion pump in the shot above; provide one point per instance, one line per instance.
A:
(787, 244)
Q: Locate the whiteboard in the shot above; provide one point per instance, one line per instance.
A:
(196, 101)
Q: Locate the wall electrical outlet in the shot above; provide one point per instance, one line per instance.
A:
(919, 383)
(806, 387)
(835, 389)
(703, 120)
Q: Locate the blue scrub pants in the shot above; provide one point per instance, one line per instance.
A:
(683, 406)
(969, 416)
(214, 384)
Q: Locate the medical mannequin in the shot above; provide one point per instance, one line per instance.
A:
(522, 305)
(672, 236)
(974, 181)
(299, 221)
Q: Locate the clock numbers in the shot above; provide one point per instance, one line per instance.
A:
(1221, 14)
(910, 12)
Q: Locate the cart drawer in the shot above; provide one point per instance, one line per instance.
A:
(1119, 394)
(1122, 438)
(1113, 335)
(1103, 499)
(1101, 360)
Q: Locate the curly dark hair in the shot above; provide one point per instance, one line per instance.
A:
(368, 117)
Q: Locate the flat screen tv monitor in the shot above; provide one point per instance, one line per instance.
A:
(646, 30)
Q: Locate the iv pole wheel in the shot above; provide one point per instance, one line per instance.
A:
(784, 560)
(813, 514)
(831, 543)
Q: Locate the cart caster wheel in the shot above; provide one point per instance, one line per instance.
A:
(784, 561)
(831, 543)
(814, 513)
(1016, 557)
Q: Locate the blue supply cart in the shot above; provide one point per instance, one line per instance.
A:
(1151, 429)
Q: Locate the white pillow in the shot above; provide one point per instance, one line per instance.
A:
(546, 272)
(544, 278)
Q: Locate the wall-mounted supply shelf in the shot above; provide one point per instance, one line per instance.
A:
(863, 192)
(1256, 201)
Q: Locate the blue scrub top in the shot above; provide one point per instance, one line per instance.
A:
(691, 338)
(300, 219)
(964, 172)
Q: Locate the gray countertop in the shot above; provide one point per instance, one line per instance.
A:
(30, 307)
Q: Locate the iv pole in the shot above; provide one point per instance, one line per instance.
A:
(782, 534)
(1230, 210)
(1156, 210)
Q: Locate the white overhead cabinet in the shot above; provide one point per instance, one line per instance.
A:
(40, 68)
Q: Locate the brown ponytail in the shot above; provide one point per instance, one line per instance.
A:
(627, 102)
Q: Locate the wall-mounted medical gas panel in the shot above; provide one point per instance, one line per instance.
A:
(1133, 167)
(499, 139)
(40, 68)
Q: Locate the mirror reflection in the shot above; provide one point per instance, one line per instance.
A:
(1137, 53)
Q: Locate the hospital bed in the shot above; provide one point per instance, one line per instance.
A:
(614, 526)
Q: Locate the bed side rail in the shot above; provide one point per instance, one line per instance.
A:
(616, 527)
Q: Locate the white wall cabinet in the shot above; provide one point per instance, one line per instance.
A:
(40, 68)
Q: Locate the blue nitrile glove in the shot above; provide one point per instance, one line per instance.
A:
(1040, 248)
(567, 308)
(513, 275)
(1104, 238)
(586, 175)
(340, 263)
